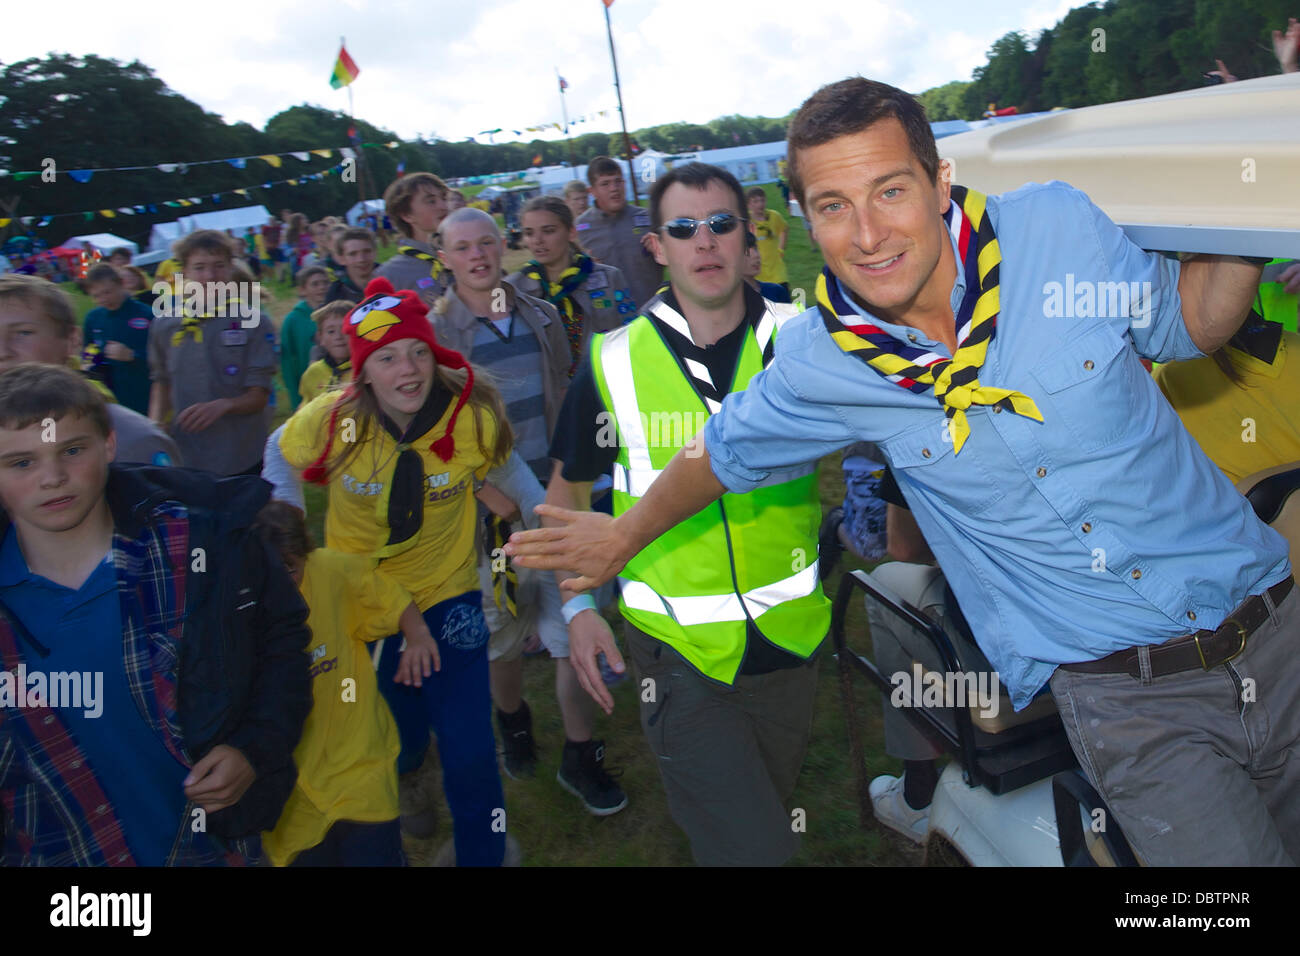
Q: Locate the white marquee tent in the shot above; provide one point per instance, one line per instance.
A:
(105, 242)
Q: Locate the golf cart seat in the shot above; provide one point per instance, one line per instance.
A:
(1001, 752)
(1275, 496)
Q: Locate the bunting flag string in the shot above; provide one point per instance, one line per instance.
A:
(275, 160)
(179, 203)
(543, 127)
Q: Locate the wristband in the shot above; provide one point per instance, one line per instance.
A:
(576, 605)
(1256, 260)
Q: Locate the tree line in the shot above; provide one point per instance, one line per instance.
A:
(93, 112)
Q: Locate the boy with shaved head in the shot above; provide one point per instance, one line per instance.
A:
(521, 341)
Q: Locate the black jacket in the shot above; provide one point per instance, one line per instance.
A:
(243, 669)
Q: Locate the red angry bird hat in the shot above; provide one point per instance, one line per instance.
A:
(385, 316)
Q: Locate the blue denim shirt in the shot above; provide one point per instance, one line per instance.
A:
(1104, 526)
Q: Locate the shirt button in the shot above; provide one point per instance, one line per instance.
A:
(1191, 615)
(75, 764)
(997, 409)
(1041, 473)
(102, 809)
(121, 858)
(1087, 527)
(48, 720)
(925, 453)
(1136, 573)
(1088, 365)
(911, 338)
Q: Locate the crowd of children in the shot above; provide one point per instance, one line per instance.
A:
(429, 463)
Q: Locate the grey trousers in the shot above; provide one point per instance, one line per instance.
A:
(1200, 768)
(729, 756)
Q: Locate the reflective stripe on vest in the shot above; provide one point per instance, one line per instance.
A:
(715, 608)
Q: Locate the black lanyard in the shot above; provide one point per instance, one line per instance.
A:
(492, 326)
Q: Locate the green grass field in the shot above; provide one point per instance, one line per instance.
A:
(552, 827)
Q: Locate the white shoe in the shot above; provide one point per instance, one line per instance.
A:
(892, 810)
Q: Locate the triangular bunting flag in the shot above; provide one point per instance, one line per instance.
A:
(239, 163)
(167, 167)
(271, 158)
(303, 156)
(81, 175)
(323, 153)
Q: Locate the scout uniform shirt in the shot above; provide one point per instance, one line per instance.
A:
(605, 300)
(230, 359)
(617, 241)
(128, 324)
(347, 758)
(440, 562)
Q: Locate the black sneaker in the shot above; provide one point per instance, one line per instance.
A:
(518, 749)
(583, 774)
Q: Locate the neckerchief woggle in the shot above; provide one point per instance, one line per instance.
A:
(559, 292)
(956, 380)
(435, 264)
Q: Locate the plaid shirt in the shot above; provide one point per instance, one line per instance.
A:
(56, 812)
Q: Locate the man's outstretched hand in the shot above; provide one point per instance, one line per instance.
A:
(587, 542)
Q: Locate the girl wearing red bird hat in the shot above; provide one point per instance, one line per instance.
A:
(403, 451)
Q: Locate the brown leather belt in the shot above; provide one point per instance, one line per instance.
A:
(1204, 649)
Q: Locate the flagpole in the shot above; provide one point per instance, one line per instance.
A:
(352, 122)
(618, 89)
(564, 112)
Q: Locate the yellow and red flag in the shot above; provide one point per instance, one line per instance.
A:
(345, 70)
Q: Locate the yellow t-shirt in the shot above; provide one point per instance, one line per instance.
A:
(347, 758)
(769, 232)
(319, 378)
(440, 562)
(1241, 429)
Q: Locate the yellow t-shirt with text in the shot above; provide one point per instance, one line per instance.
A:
(347, 757)
(440, 562)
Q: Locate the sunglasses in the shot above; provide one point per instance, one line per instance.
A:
(719, 224)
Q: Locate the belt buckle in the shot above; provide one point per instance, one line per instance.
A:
(1241, 630)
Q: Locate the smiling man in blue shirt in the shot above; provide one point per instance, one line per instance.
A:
(1088, 539)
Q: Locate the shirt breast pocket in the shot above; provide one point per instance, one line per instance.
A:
(1091, 387)
(962, 482)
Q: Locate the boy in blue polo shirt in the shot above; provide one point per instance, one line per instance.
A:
(116, 337)
(174, 691)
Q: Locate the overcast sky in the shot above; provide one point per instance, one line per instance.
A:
(454, 69)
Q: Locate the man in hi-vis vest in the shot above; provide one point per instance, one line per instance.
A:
(724, 612)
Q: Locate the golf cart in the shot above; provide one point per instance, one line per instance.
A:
(1014, 794)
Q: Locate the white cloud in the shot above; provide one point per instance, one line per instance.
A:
(459, 68)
